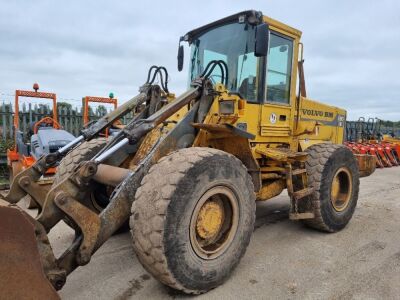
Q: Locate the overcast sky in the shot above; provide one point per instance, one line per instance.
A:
(79, 48)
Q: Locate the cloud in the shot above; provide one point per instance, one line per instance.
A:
(79, 48)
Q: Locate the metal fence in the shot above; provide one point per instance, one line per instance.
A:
(361, 130)
(3, 172)
(71, 119)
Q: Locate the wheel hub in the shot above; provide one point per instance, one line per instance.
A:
(210, 219)
(341, 189)
(214, 222)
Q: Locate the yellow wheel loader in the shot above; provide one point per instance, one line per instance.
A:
(187, 171)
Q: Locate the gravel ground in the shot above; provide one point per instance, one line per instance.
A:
(284, 259)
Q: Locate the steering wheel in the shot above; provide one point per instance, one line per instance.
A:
(47, 121)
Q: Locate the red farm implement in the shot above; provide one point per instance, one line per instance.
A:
(367, 137)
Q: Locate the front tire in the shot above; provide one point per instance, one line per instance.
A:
(193, 217)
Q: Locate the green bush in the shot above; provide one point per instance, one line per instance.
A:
(6, 144)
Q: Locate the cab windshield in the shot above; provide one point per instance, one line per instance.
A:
(234, 44)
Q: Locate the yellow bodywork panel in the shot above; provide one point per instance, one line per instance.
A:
(274, 125)
(389, 139)
(285, 29)
(327, 123)
(271, 190)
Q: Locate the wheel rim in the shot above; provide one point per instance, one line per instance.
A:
(98, 203)
(341, 189)
(95, 203)
(214, 222)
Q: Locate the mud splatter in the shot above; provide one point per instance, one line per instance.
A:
(134, 286)
(271, 218)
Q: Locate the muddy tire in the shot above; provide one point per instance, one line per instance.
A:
(333, 173)
(83, 152)
(192, 218)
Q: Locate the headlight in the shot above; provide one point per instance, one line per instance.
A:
(227, 107)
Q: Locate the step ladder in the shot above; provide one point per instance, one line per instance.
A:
(289, 159)
(300, 193)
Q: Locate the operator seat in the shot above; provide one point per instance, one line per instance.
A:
(248, 88)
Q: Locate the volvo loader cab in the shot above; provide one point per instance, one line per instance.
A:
(264, 63)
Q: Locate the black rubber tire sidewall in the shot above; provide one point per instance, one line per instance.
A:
(186, 266)
(338, 220)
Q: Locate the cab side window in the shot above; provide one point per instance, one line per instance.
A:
(279, 69)
(247, 76)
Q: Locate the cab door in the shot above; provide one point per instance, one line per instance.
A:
(277, 109)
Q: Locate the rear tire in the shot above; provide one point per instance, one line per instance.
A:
(333, 173)
(193, 217)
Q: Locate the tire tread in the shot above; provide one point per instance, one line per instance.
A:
(319, 155)
(147, 238)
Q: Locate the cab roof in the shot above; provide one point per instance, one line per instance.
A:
(250, 16)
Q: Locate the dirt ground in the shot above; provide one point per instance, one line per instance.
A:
(285, 260)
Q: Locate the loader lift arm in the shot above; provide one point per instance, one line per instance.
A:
(25, 182)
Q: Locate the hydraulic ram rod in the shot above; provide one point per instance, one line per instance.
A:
(94, 129)
(136, 130)
(71, 144)
(110, 151)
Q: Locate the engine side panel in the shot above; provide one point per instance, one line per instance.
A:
(320, 122)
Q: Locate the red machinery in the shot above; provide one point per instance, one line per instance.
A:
(366, 138)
